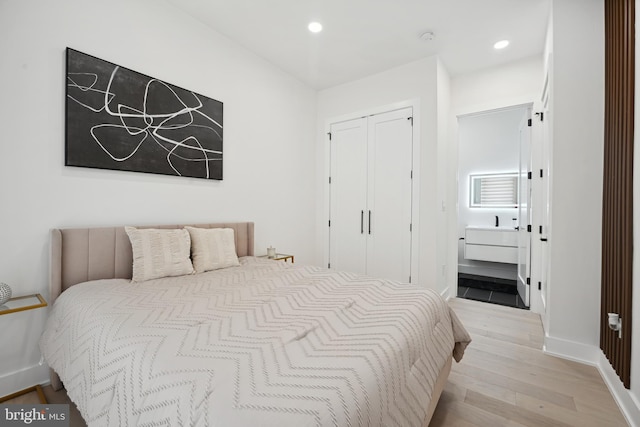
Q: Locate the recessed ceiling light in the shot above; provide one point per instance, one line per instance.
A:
(501, 44)
(315, 27)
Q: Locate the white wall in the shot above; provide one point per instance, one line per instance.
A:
(516, 83)
(574, 58)
(415, 82)
(488, 143)
(443, 88)
(269, 145)
(576, 108)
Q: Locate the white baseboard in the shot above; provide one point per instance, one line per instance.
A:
(571, 350)
(592, 355)
(629, 406)
(445, 294)
(24, 378)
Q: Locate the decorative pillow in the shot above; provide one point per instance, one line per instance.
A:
(159, 253)
(212, 248)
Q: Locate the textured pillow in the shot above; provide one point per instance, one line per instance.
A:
(159, 253)
(212, 248)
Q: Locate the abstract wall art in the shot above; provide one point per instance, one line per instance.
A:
(120, 119)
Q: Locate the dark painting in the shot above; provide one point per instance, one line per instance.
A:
(119, 119)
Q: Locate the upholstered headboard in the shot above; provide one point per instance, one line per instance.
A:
(82, 254)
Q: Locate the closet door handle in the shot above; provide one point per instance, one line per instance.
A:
(369, 222)
(361, 222)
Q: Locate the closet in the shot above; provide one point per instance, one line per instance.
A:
(370, 192)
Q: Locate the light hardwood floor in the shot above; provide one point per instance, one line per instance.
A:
(504, 378)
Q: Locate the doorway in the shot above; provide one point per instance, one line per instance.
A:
(494, 206)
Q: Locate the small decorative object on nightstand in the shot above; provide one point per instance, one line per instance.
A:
(14, 305)
(5, 293)
(271, 252)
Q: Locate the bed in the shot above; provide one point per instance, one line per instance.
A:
(264, 343)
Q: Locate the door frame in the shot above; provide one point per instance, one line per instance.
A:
(415, 189)
(541, 191)
(534, 293)
(525, 232)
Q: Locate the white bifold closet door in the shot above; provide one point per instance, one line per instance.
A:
(371, 194)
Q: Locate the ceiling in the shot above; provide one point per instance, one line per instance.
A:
(363, 37)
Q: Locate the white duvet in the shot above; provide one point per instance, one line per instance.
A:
(264, 344)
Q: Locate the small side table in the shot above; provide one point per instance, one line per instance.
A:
(14, 305)
(36, 388)
(28, 302)
(280, 257)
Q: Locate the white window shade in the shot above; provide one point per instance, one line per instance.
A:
(494, 191)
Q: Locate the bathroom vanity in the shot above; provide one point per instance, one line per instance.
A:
(494, 244)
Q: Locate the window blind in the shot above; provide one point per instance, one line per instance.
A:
(494, 190)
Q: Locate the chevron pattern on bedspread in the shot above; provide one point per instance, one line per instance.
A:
(267, 343)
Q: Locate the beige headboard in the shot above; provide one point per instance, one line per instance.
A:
(82, 254)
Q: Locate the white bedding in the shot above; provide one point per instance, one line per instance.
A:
(264, 344)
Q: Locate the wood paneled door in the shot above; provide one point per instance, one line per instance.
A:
(371, 178)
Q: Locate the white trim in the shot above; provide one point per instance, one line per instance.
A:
(571, 350)
(592, 355)
(415, 103)
(445, 294)
(473, 113)
(23, 378)
(627, 402)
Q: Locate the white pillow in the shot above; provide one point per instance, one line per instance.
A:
(212, 248)
(159, 253)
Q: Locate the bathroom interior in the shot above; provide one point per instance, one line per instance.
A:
(490, 206)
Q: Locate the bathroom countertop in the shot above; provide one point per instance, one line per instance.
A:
(480, 227)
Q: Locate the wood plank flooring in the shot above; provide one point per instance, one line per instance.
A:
(505, 379)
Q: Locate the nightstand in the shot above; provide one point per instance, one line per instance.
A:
(28, 302)
(280, 257)
(14, 305)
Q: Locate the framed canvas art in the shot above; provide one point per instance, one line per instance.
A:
(119, 119)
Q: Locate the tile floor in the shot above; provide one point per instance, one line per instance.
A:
(494, 297)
